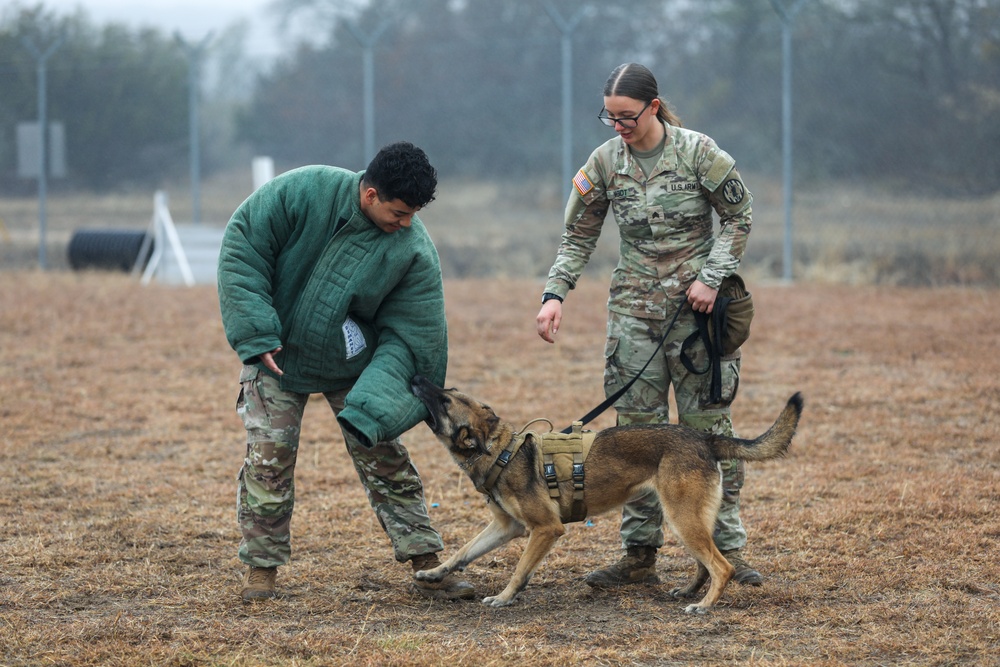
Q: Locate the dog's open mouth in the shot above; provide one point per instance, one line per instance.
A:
(419, 386)
(431, 421)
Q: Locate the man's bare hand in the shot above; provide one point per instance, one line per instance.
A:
(268, 359)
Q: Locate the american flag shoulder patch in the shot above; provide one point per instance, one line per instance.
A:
(582, 183)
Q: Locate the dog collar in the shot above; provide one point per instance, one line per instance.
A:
(472, 460)
(500, 463)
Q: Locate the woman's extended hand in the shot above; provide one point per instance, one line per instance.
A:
(548, 320)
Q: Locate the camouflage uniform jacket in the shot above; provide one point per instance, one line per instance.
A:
(664, 221)
(301, 267)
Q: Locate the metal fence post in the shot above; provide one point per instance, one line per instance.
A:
(367, 43)
(42, 58)
(194, 54)
(787, 16)
(566, 27)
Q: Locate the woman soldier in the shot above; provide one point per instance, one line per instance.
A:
(662, 183)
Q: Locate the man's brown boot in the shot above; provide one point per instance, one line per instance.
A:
(258, 582)
(744, 573)
(449, 588)
(637, 566)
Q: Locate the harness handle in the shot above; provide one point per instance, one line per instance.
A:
(536, 420)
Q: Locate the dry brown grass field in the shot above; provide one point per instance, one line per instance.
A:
(878, 535)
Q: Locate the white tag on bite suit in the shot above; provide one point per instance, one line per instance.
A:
(354, 340)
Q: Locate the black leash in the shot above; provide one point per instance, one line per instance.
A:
(715, 322)
(609, 401)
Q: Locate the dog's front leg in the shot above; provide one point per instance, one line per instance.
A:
(499, 532)
(539, 543)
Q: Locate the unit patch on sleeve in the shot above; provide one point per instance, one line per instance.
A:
(733, 191)
(582, 183)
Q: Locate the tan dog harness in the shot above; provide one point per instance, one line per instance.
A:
(563, 457)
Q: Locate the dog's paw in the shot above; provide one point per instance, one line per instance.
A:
(682, 592)
(695, 609)
(497, 601)
(432, 576)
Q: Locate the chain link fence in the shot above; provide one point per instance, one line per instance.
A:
(894, 215)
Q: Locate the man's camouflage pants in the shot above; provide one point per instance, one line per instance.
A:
(273, 420)
(630, 343)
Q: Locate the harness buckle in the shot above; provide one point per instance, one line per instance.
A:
(550, 474)
(578, 476)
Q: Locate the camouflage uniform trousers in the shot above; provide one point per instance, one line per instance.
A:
(630, 343)
(266, 493)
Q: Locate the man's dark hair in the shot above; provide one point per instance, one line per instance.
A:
(402, 171)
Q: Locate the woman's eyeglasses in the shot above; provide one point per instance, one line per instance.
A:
(625, 121)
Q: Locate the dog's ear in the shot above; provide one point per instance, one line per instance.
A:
(491, 422)
(482, 436)
(469, 437)
(466, 438)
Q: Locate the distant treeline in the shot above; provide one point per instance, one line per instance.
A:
(904, 94)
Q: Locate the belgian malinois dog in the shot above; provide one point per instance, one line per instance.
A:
(679, 462)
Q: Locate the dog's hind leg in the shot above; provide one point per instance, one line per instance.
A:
(720, 571)
(499, 532)
(691, 511)
(540, 542)
(694, 584)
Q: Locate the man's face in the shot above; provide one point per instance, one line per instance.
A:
(389, 216)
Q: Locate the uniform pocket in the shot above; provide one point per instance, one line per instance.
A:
(251, 405)
(730, 377)
(610, 348)
(612, 373)
(631, 212)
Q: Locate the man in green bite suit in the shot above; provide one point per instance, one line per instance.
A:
(329, 283)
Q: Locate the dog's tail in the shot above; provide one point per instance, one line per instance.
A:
(772, 444)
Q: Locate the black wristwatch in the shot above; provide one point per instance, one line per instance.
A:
(550, 295)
